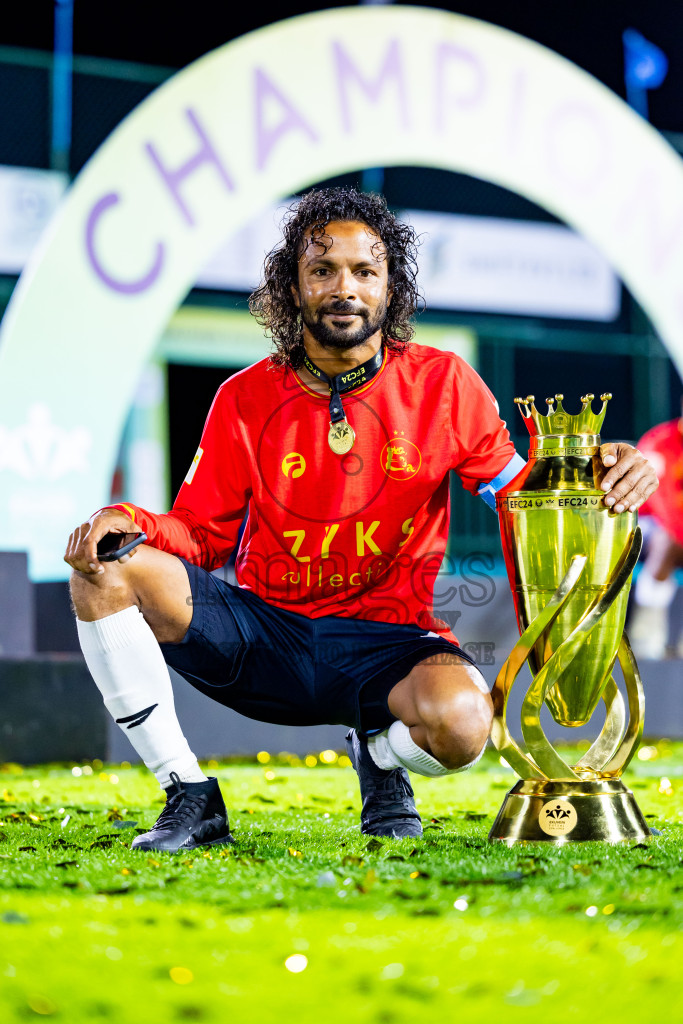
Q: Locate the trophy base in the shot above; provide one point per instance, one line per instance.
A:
(569, 811)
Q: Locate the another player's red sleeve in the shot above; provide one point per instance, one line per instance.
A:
(481, 442)
(205, 519)
(663, 446)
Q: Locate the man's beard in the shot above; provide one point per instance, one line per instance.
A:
(337, 337)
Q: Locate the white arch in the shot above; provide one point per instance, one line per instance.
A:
(257, 119)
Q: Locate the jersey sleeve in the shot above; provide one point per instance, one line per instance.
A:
(206, 516)
(663, 447)
(481, 443)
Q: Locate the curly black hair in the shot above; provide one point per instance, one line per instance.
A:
(273, 303)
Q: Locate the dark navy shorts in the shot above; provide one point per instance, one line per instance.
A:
(282, 667)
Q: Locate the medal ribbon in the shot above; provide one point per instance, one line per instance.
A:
(349, 380)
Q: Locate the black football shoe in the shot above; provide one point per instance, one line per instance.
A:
(194, 815)
(388, 801)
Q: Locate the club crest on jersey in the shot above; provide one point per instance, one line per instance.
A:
(294, 464)
(401, 459)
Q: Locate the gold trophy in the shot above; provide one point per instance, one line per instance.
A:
(569, 561)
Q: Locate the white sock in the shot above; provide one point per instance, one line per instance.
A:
(652, 593)
(126, 662)
(395, 748)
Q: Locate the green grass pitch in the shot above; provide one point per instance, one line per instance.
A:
(306, 920)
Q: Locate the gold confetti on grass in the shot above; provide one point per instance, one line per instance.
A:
(181, 975)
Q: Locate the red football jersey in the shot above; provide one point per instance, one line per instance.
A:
(359, 535)
(663, 446)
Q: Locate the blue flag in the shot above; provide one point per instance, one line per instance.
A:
(644, 63)
(645, 67)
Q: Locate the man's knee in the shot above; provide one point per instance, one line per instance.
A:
(155, 581)
(459, 729)
(94, 596)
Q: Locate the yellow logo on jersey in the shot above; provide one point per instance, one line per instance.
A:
(193, 468)
(401, 459)
(294, 462)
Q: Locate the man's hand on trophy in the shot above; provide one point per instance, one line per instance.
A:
(630, 478)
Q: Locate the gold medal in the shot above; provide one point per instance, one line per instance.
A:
(341, 437)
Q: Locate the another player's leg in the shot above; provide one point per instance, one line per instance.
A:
(654, 592)
(444, 714)
(122, 616)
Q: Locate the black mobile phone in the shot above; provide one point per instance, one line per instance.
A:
(116, 545)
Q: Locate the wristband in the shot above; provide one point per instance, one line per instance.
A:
(126, 509)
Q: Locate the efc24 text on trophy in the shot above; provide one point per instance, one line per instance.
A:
(569, 560)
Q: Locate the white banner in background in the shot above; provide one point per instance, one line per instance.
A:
(491, 265)
(260, 118)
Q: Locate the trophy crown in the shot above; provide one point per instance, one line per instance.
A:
(558, 421)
